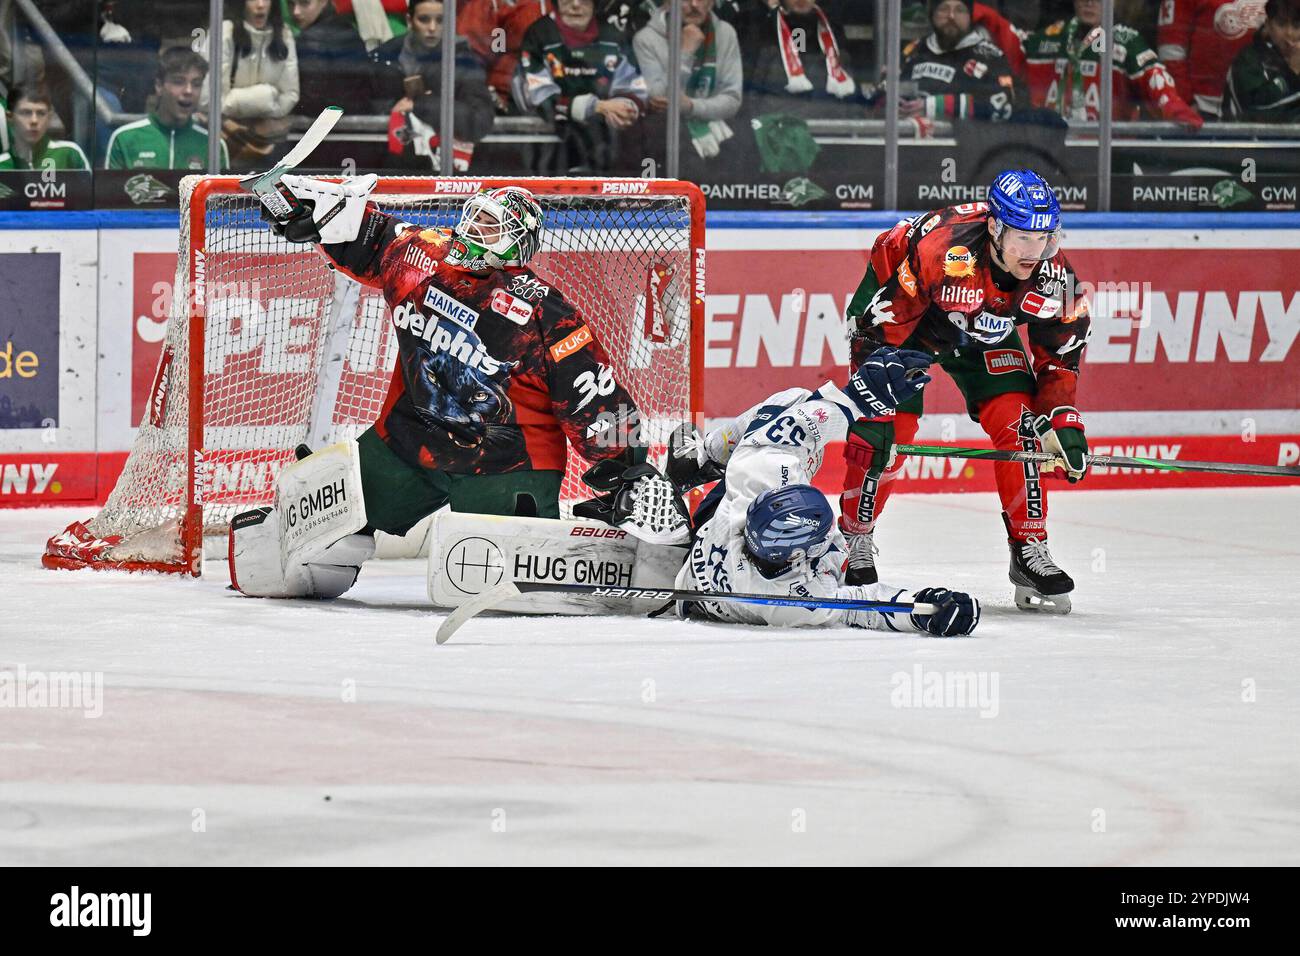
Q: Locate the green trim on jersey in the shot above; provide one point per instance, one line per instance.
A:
(148, 144)
(62, 153)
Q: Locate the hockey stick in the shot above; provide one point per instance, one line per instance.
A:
(504, 592)
(1113, 461)
(280, 202)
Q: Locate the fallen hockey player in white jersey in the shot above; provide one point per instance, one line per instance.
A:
(765, 529)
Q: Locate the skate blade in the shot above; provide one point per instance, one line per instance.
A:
(1027, 599)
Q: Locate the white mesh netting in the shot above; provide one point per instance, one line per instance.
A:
(295, 353)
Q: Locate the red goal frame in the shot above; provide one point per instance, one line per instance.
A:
(191, 523)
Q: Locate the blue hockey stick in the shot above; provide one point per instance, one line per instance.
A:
(504, 592)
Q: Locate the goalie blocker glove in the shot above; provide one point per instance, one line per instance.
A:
(888, 378)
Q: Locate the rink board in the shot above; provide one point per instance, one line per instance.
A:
(1193, 353)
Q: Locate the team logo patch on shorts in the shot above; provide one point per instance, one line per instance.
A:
(1002, 361)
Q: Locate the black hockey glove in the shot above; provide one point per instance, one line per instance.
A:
(958, 612)
(299, 227)
(637, 499)
(887, 379)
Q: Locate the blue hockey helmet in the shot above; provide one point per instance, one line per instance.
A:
(1020, 199)
(790, 522)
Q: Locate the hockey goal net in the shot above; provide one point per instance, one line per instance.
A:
(267, 348)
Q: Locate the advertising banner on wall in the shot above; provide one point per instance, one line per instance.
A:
(29, 340)
(1194, 352)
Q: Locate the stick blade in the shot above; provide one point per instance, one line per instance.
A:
(484, 602)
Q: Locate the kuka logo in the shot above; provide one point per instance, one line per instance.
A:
(578, 340)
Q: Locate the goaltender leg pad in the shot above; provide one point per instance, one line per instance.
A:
(255, 567)
(306, 545)
(473, 553)
(319, 500)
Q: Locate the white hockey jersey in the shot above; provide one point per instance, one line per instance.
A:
(780, 441)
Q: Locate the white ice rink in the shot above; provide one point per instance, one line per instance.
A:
(1157, 724)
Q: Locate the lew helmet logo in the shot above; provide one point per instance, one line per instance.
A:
(1039, 306)
(959, 262)
(1002, 361)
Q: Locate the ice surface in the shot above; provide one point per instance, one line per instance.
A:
(1156, 724)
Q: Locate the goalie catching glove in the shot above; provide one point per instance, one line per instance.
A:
(637, 499)
(325, 212)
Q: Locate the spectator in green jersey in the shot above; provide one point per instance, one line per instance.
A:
(30, 110)
(168, 138)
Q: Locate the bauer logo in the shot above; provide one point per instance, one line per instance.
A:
(1002, 361)
(597, 531)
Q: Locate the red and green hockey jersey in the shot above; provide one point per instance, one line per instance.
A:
(933, 286)
(1062, 62)
(1198, 40)
(495, 370)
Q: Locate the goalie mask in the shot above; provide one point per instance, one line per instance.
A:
(498, 227)
(788, 524)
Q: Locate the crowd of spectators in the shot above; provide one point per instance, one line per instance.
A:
(753, 74)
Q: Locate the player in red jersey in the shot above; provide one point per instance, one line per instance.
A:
(496, 374)
(955, 283)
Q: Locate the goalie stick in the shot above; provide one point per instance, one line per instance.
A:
(280, 202)
(1113, 461)
(504, 592)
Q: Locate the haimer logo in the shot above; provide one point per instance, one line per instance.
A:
(443, 305)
